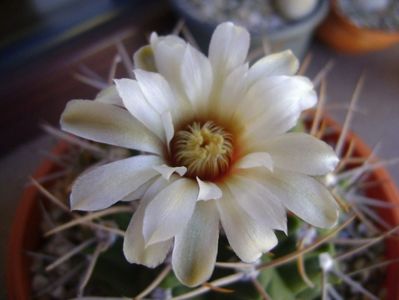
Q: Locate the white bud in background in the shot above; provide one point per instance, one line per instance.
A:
(295, 9)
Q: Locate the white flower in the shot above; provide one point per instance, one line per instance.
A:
(213, 132)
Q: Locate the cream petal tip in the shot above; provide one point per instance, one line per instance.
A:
(167, 171)
(208, 191)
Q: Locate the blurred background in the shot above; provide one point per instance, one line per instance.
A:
(48, 47)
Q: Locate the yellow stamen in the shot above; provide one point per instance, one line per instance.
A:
(205, 150)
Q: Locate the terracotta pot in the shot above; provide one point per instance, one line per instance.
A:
(340, 33)
(386, 191)
(26, 235)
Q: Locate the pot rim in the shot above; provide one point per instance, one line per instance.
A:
(292, 28)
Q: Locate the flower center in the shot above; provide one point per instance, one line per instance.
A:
(204, 149)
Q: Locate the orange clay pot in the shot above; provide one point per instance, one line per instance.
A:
(385, 190)
(26, 235)
(338, 32)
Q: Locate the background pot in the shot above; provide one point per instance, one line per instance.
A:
(340, 33)
(295, 36)
(26, 233)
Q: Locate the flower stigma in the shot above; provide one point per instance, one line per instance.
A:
(204, 149)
